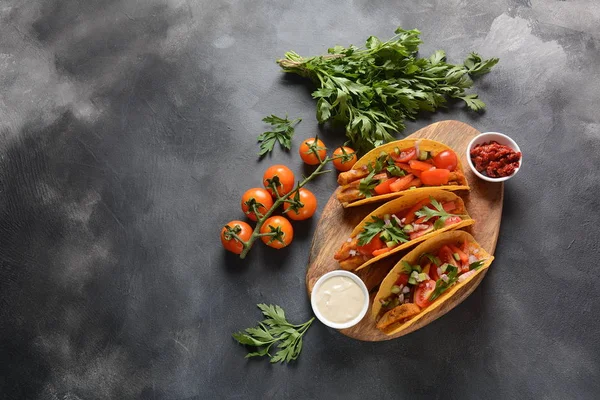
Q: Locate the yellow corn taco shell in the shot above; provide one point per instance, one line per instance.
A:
(429, 145)
(406, 202)
(412, 258)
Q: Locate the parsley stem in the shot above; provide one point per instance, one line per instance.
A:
(279, 201)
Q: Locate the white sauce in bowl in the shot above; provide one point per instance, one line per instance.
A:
(340, 299)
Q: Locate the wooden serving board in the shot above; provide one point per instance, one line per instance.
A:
(483, 202)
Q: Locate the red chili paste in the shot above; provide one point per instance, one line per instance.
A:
(495, 160)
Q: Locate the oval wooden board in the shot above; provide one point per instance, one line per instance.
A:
(484, 203)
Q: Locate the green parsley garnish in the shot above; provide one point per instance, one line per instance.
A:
(275, 328)
(391, 231)
(282, 132)
(439, 211)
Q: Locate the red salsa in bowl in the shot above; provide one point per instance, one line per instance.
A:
(494, 159)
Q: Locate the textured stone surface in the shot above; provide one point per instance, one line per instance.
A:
(127, 135)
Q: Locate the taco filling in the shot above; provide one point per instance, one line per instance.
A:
(420, 285)
(398, 171)
(382, 235)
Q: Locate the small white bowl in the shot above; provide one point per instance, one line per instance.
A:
(337, 325)
(496, 137)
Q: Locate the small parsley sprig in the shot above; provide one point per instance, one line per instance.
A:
(389, 230)
(282, 131)
(439, 211)
(274, 329)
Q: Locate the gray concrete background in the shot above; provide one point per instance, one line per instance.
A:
(128, 136)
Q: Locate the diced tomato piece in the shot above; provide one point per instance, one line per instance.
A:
(402, 183)
(402, 279)
(375, 244)
(384, 187)
(435, 177)
(445, 255)
(423, 292)
(410, 215)
(405, 156)
(464, 258)
(381, 251)
(433, 273)
(449, 206)
(414, 235)
(465, 246)
(420, 165)
(420, 220)
(452, 220)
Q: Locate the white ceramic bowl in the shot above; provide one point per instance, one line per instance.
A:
(337, 325)
(496, 137)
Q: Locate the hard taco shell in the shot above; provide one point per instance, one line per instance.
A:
(424, 144)
(404, 203)
(429, 246)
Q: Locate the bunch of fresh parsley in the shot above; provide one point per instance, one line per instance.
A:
(275, 328)
(373, 90)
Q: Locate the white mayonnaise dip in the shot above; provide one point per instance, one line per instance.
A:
(340, 299)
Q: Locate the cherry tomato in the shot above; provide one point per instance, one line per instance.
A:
(282, 226)
(339, 163)
(285, 179)
(309, 201)
(435, 177)
(242, 229)
(446, 160)
(256, 196)
(308, 156)
(423, 292)
(405, 156)
(375, 244)
(384, 187)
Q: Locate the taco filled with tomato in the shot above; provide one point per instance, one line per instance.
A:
(396, 168)
(426, 278)
(401, 223)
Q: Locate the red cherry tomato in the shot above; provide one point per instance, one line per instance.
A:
(308, 156)
(435, 177)
(281, 223)
(405, 156)
(256, 196)
(309, 201)
(242, 229)
(284, 175)
(339, 163)
(423, 292)
(446, 160)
